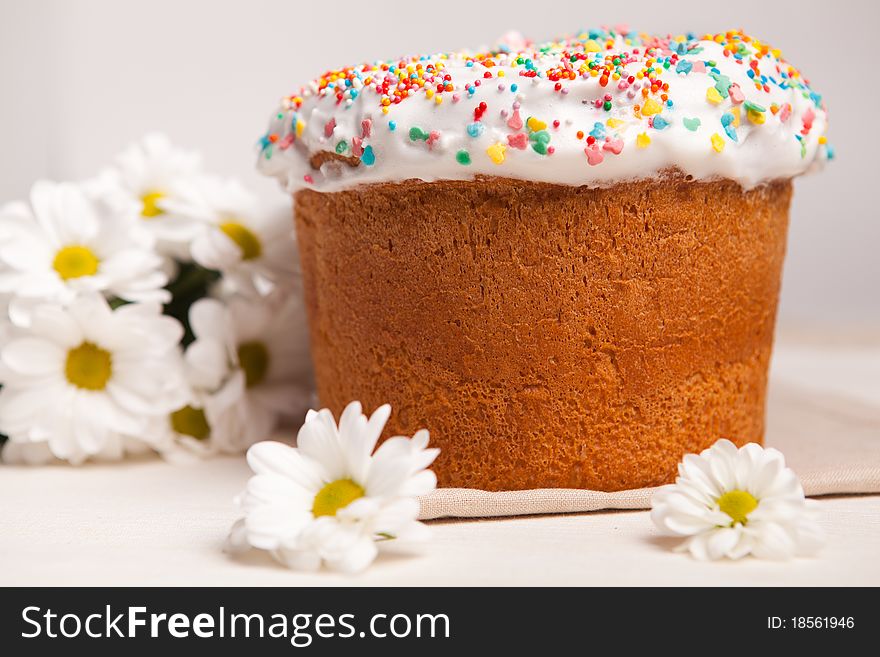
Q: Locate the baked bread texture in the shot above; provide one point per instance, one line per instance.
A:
(548, 335)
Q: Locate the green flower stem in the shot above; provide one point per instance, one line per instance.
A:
(191, 284)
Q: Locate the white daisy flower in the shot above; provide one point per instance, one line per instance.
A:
(252, 245)
(86, 380)
(733, 502)
(64, 244)
(148, 177)
(184, 432)
(332, 498)
(252, 355)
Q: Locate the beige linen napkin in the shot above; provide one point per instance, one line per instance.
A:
(832, 443)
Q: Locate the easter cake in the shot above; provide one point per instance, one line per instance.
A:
(563, 259)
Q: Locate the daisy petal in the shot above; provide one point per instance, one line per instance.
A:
(302, 560)
(395, 517)
(722, 463)
(356, 558)
(270, 525)
(722, 542)
(207, 361)
(277, 458)
(208, 319)
(319, 440)
(698, 547)
(236, 542)
(55, 324)
(772, 541)
(276, 489)
(33, 356)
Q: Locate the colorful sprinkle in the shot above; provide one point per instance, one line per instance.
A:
(614, 146)
(722, 84)
(417, 134)
(785, 112)
(594, 155)
(535, 125)
(496, 152)
(651, 107)
(463, 157)
(717, 142)
(643, 140)
(515, 121)
(728, 120)
(683, 66)
(736, 94)
(736, 116)
(691, 123)
(807, 121)
(368, 158)
(713, 96)
(286, 142)
(755, 113)
(540, 141)
(475, 129)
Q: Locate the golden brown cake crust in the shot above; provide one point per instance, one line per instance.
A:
(547, 335)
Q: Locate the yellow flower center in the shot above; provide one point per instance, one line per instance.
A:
(254, 360)
(189, 421)
(334, 496)
(88, 366)
(246, 240)
(738, 504)
(150, 206)
(75, 261)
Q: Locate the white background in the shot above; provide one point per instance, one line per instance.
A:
(81, 78)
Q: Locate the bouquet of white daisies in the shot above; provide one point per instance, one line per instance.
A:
(153, 308)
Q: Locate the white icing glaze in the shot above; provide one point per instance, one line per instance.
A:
(786, 144)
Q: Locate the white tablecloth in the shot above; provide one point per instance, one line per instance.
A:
(150, 523)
